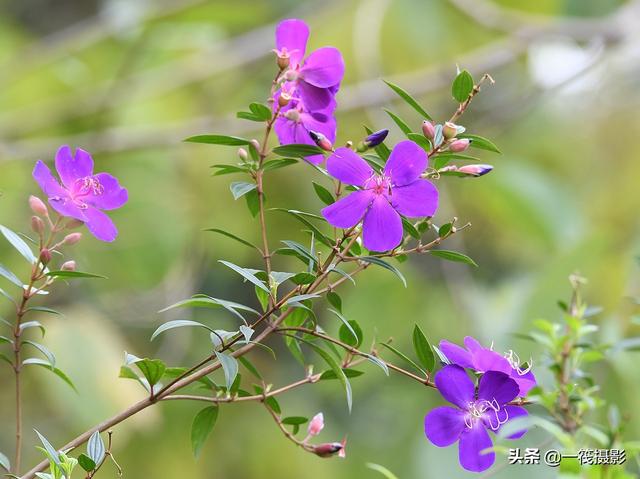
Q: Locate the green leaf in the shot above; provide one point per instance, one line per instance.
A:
(73, 274)
(249, 366)
(245, 273)
(350, 336)
(443, 159)
(232, 236)
(278, 163)
(302, 217)
(32, 324)
(408, 99)
(229, 366)
(325, 196)
(18, 243)
(219, 140)
(403, 356)
(48, 354)
(378, 362)
(95, 448)
(406, 129)
(481, 143)
(423, 349)
(252, 199)
(335, 367)
(462, 86)
(350, 373)
(152, 369)
(258, 112)
(303, 278)
(385, 265)
(4, 462)
(295, 420)
(335, 300)
(301, 297)
(453, 256)
(43, 309)
(49, 449)
(202, 426)
(204, 301)
(408, 227)
(298, 150)
(420, 140)
(241, 188)
(301, 250)
(86, 462)
(178, 323)
(228, 169)
(382, 470)
(11, 277)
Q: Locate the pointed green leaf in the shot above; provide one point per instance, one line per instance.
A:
(325, 196)
(178, 323)
(297, 150)
(385, 265)
(423, 349)
(406, 129)
(56, 371)
(245, 273)
(202, 426)
(453, 256)
(481, 143)
(73, 274)
(232, 236)
(18, 243)
(241, 188)
(96, 449)
(11, 277)
(229, 366)
(218, 140)
(86, 462)
(408, 99)
(462, 86)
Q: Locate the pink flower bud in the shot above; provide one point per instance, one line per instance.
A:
(68, 266)
(242, 154)
(475, 170)
(316, 425)
(45, 256)
(321, 140)
(38, 206)
(72, 238)
(255, 143)
(449, 130)
(459, 145)
(37, 225)
(428, 129)
(328, 449)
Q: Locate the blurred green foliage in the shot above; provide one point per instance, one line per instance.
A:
(129, 80)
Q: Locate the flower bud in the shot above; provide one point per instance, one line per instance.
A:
(475, 170)
(255, 143)
(428, 129)
(38, 206)
(459, 145)
(284, 99)
(328, 449)
(375, 138)
(242, 154)
(72, 238)
(316, 424)
(45, 256)
(68, 266)
(449, 130)
(292, 115)
(282, 58)
(37, 225)
(320, 140)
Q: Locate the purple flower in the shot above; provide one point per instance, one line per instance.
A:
(317, 76)
(382, 198)
(477, 411)
(482, 359)
(83, 195)
(311, 84)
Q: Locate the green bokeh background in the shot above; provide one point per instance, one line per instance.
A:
(128, 80)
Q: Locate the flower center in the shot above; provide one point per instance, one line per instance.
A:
(83, 187)
(490, 411)
(380, 184)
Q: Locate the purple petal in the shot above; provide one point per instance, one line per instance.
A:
(292, 34)
(515, 412)
(113, 195)
(100, 225)
(382, 226)
(488, 360)
(46, 181)
(66, 207)
(497, 386)
(472, 442)
(71, 167)
(406, 163)
(455, 386)
(443, 425)
(324, 68)
(348, 211)
(416, 199)
(472, 344)
(345, 165)
(525, 381)
(289, 132)
(456, 354)
(313, 97)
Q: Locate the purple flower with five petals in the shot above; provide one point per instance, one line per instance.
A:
(83, 195)
(482, 359)
(383, 197)
(478, 411)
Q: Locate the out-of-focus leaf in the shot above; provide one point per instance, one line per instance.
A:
(232, 236)
(406, 129)
(382, 470)
(18, 243)
(453, 256)
(202, 426)
(218, 140)
(241, 188)
(73, 274)
(43, 349)
(10, 276)
(33, 324)
(178, 323)
(4, 462)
